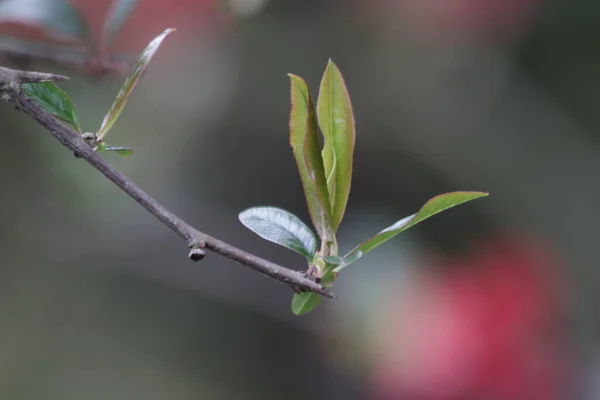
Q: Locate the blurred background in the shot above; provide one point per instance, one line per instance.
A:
(493, 300)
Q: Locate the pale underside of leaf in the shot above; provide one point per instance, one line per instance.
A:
(281, 227)
(130, 83)
(430, 208)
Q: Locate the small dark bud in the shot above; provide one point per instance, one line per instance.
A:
(298, 289)
(91, 139)
(196, 254)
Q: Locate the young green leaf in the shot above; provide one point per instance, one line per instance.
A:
(122, 151)
(281, 227)
(57, 17)
(54, 101)
(333, 260)
(305, 302)
(336, 120)
(119, 12)
(429, 209)
(130, 83)
(305, 144)
(349, 260)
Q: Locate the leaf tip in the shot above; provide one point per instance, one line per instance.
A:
(331, 65)
(478, 194)
(295, 79)
(298, 86)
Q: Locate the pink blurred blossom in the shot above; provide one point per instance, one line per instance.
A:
(486, 327)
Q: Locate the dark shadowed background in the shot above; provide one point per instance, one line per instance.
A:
(496, 299)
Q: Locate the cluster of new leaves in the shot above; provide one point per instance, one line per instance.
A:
(325, 172)
(56, 102)
(326, 175)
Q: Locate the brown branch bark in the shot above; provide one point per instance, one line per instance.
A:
(197, 241)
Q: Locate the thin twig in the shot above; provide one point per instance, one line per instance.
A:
(196, 240)
(16, 77)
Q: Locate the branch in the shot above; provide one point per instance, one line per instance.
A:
(197, 241)
(15, 77)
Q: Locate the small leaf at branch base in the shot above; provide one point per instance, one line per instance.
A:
(281, 227)
(336, 120)
(130, 83)
(305, 144)
(122, 151)
(119, 12)
(54, 101)
(429, 209)
(305, 302)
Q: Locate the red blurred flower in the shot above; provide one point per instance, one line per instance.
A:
(488, 327)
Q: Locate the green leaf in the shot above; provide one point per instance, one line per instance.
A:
(122, 151)
(130, 83)
(329, 275)
(429, 209)
(333, 260)
(281, 227)
(119, 12)
(336, 120)
(305, 144)
(349, 260)
(54, 101)
(305, 302)
(58, 17)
